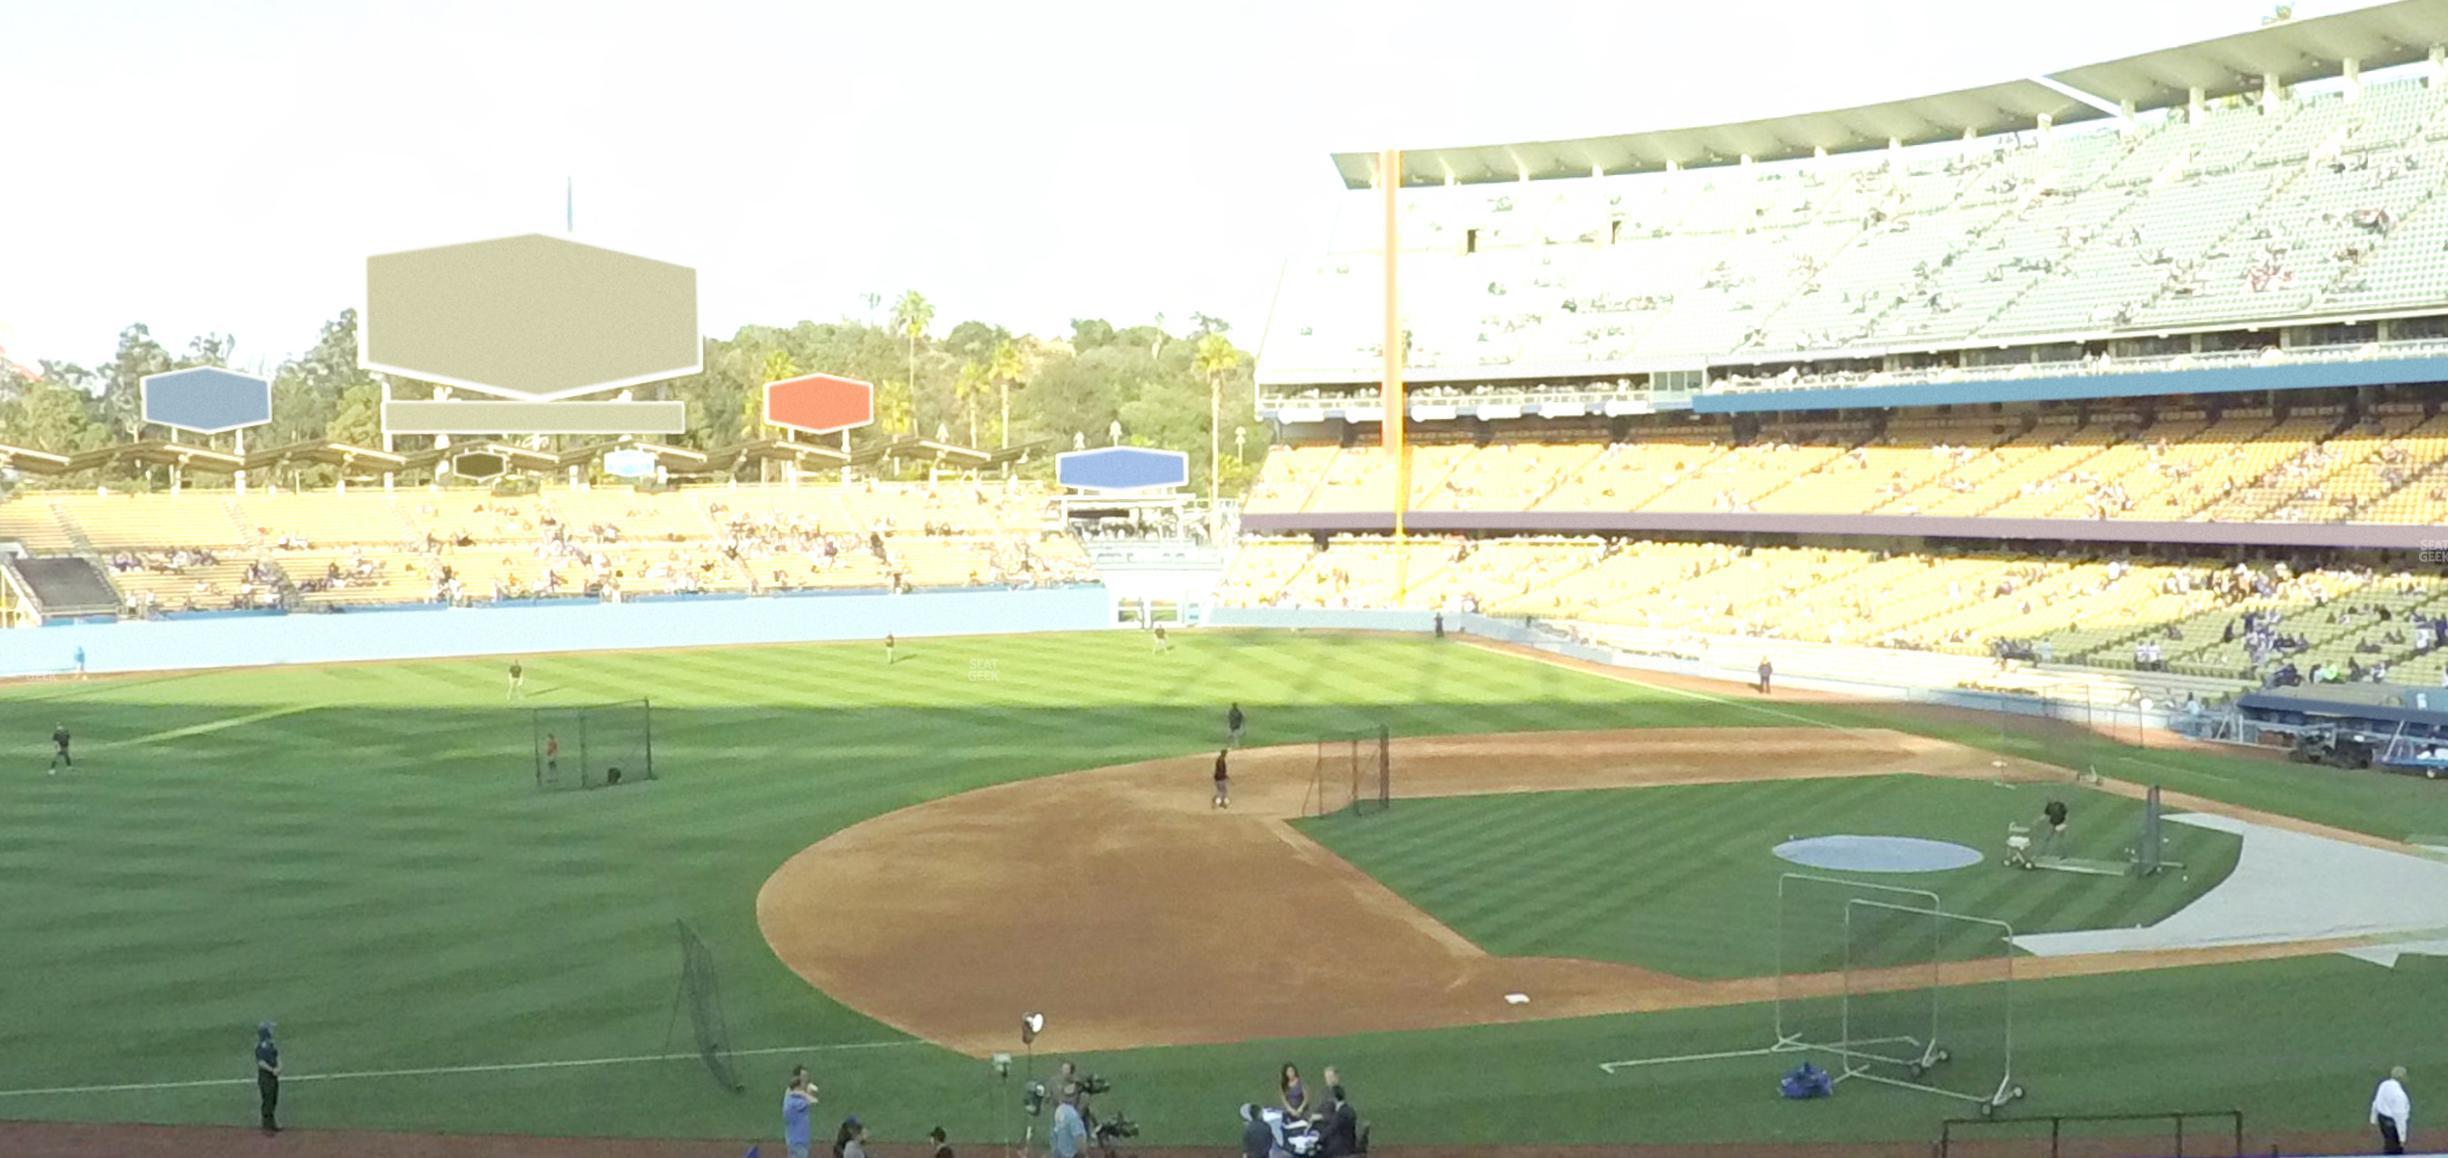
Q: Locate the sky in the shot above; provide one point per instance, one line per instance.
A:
(226, 167)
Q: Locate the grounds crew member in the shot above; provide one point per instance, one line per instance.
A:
(2391, 1110)
(267, 1075)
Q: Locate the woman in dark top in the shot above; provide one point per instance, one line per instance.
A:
(1295, 1095)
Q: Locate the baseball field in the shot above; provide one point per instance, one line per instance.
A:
(891, 864)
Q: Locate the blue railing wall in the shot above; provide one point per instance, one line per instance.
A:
(534, 629)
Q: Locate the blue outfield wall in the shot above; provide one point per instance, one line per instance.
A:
(533, 629)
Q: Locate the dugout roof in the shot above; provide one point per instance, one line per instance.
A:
(2295, 51)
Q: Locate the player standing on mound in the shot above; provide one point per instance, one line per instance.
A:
(1223, 784)
(59, 744)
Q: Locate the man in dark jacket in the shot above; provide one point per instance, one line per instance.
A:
(1257, 1138)
(1339, 1131)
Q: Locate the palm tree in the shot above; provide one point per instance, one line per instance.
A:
(777, 367)
(1004, 368)
(1214, 357)
(912, 315)
(967, 389)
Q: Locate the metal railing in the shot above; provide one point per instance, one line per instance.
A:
(2226, 1135)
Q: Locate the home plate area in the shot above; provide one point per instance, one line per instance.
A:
(2290, 887)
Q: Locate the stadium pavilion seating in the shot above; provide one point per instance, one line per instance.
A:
(2315, 465)
(2089, 609)
(213, 550)
(2316, 204)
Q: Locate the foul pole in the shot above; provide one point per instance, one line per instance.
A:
(1389, 186)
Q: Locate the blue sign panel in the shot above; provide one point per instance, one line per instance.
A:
(629, 464)
(205, 400)
(1122, 468)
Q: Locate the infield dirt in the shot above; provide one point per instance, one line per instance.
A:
(1121, 905)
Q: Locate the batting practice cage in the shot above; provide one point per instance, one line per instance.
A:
(701, 995)
(595, 746)
(1354, 774)
(1882, 984)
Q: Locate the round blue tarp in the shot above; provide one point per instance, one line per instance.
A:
(1878, 854)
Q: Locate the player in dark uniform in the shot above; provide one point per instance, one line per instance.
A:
(267, 1075)
(1766, 670)
(1232, 726)
(59, 754)
(1223, 783)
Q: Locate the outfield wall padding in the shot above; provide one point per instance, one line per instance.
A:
(1545, 638)
(540, 628)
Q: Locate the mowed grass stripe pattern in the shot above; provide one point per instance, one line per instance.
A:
(1683, 878)
(359, 852)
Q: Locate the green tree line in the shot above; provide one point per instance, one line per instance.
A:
(975, 384)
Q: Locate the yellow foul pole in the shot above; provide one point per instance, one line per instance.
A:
(1389, 186)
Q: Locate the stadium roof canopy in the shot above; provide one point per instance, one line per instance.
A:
(2292, 52)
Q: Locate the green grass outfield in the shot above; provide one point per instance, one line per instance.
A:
(358, 851)
(1681, 878)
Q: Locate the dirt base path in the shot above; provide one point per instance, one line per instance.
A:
(1130, 913)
